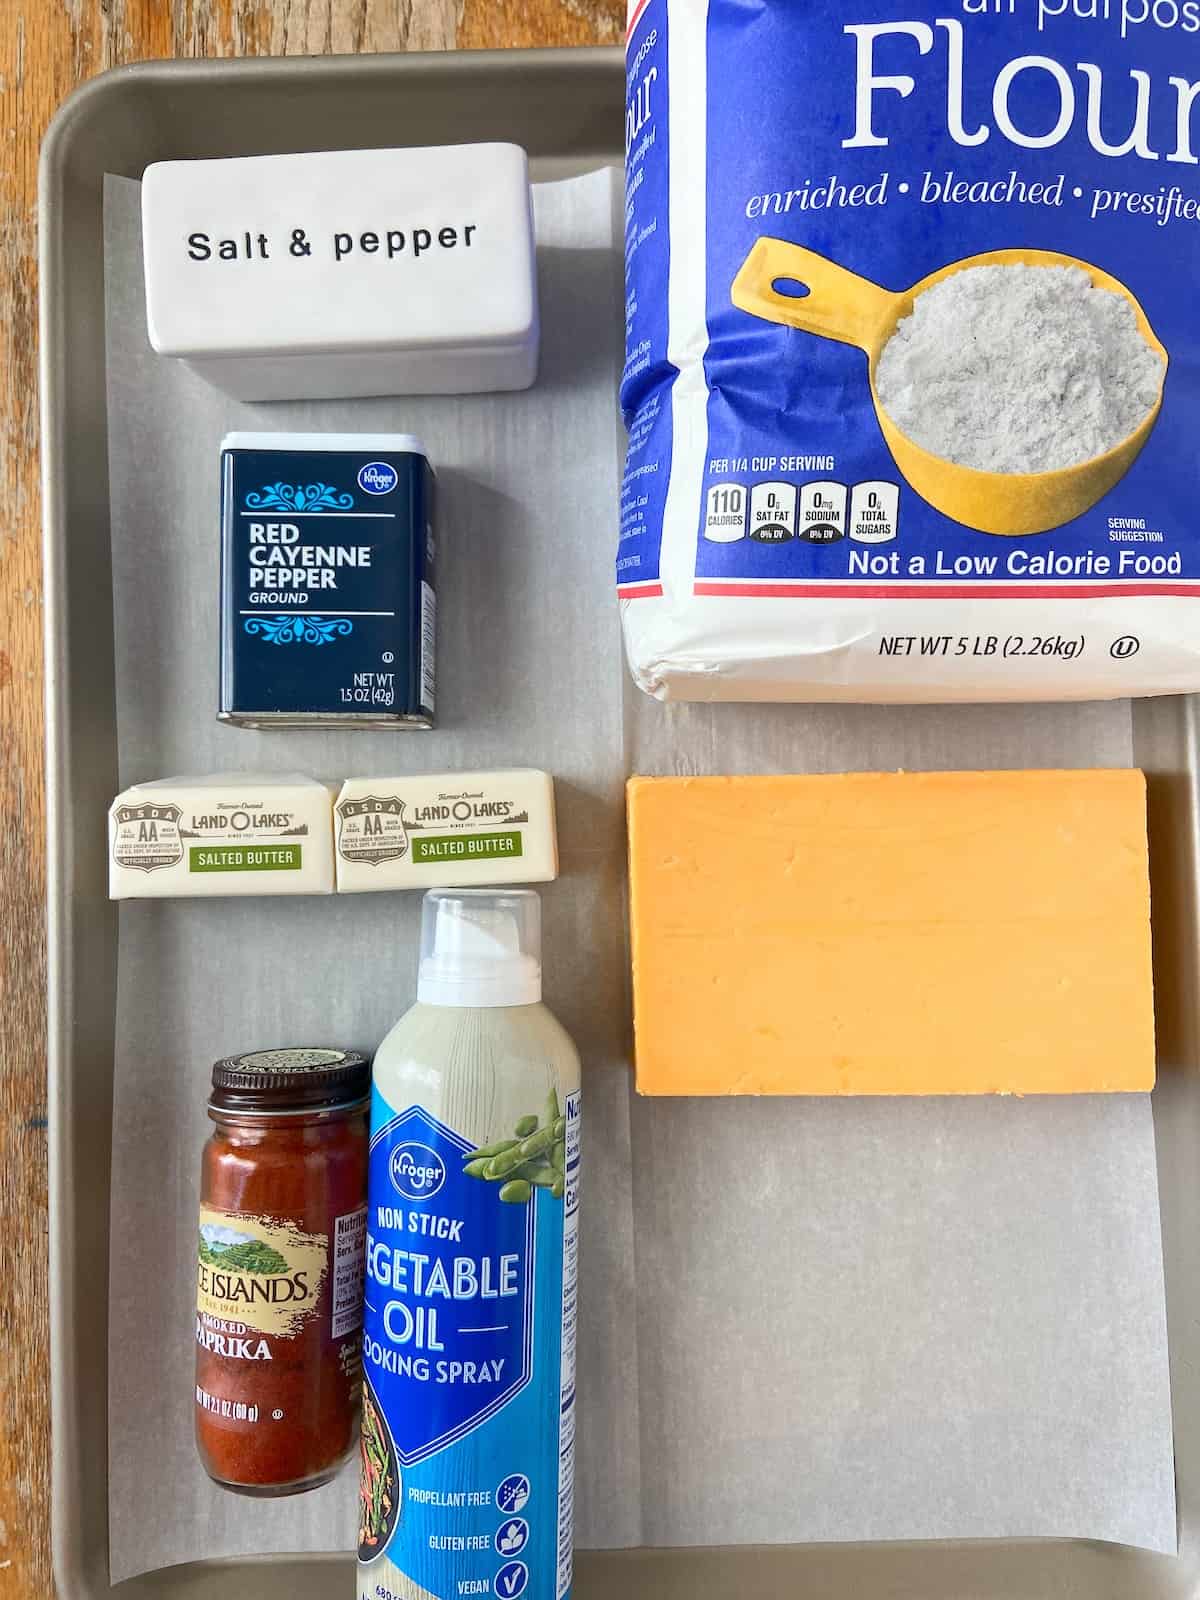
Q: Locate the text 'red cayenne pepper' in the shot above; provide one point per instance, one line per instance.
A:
(280, 1269)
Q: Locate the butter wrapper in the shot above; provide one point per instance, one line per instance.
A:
(446, 831)
(229, 834)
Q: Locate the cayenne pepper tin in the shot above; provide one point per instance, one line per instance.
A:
(280, 1269)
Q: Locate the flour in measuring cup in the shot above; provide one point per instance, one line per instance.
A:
(1018, 369)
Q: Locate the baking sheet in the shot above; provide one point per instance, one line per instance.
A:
(832, 1320)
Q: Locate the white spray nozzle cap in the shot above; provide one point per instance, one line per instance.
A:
(480, 947)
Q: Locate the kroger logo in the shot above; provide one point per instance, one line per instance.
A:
(377, 477)
(417, 1172)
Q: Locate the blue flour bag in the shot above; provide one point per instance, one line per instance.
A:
(912, 357)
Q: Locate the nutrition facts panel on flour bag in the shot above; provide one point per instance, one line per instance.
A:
(912, 356)
(820, 513)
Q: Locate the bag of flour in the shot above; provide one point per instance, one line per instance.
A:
(913, 361)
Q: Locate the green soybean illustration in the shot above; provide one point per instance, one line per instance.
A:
(534, 1158)
(498, 1148)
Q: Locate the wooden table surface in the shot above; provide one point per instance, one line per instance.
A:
(46, 48)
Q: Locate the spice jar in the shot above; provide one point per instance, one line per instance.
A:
(280, 1270)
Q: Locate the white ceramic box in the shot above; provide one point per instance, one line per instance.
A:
(345, 272)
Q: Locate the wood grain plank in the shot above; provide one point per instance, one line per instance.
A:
(34, 75)
(495, 24)
(46, 48)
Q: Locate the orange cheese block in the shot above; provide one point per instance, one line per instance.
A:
(891, 933)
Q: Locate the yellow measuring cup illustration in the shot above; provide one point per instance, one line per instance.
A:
(853, 310)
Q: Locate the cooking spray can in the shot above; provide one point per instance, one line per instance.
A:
(468, 1441)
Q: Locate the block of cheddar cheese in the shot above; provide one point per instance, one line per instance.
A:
(891, 933)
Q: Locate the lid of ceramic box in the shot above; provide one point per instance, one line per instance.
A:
(336, 251)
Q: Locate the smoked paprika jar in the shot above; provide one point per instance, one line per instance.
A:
(280, 1269)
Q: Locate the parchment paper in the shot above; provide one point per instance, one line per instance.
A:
(800, 1320)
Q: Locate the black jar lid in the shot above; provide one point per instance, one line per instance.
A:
(295, 1078)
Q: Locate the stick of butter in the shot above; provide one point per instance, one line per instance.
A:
(232, 833)
(892, 933)
(446, 831)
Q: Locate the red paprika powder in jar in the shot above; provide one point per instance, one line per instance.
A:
(280, 1270)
